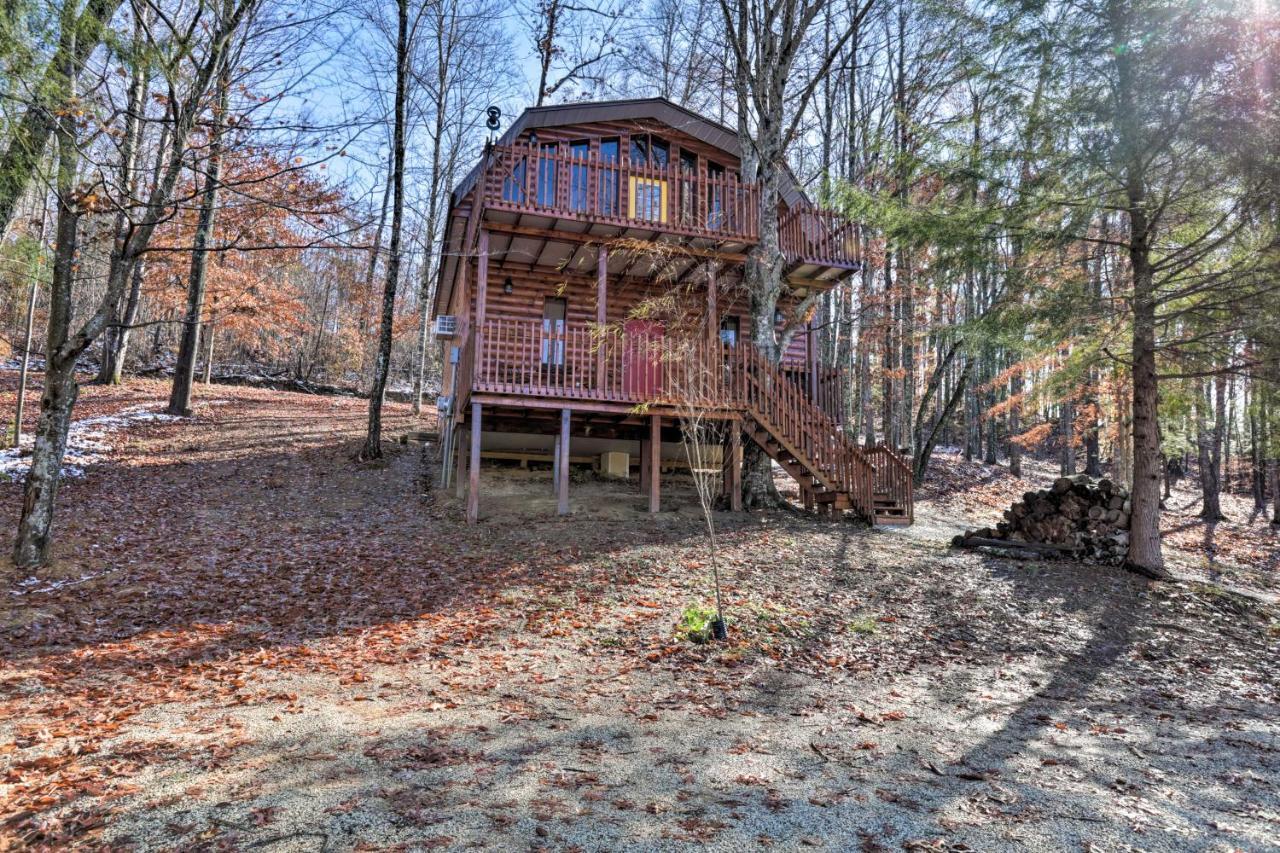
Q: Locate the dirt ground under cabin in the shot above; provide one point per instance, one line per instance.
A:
(249, 640)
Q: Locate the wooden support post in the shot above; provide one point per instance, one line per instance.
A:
(735, 466)
(655, 461)
(644, 466)
(562, 481)
(473, 473)
(602, 314)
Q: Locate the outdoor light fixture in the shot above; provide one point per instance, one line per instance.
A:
(507, 286)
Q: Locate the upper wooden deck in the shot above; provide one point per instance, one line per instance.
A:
(584, 192)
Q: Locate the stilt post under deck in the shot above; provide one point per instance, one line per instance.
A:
(562, 476)
(655, 461)
(473, 474)
(735, 466)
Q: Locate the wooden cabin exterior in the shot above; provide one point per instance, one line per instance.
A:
(575, 223)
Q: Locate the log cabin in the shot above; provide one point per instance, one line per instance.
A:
(574, 224)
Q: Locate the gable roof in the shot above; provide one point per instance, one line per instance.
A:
(657, 109)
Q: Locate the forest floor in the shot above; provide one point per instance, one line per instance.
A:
(249, 640)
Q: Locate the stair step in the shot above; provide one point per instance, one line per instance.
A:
(892, 520)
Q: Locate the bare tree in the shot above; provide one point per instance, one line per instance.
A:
(776, 73)
(572, 43)
(373, 439)
(64, 346)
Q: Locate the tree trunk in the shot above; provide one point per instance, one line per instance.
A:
(1274, 467)
(373, 439)
(121, 351)
(1066, 435)
(210, 331)
(1210, 452)
(1015, 423)
(40, 490)
(185, 369)
(866, 412)
(921, 466)
(1144, 521)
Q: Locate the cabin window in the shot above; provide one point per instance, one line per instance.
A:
(608, 176)
(715, 196)
(547, 175)
(578, 153)
(647, 193)
(729, 331)
(649, 150)
(554, 310)
(648, 199)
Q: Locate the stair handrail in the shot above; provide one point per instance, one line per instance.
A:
(830, 454)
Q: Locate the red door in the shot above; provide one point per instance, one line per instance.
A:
(642, 360)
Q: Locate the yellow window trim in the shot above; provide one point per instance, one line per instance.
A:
(647, 183)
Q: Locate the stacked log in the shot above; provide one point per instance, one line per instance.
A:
(1078, 516)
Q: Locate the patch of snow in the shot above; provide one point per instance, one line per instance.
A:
(32, 584)
(87, 442)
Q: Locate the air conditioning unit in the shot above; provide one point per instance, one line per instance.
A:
(446, 326)
(443, 402)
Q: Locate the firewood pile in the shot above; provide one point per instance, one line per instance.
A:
(1077, 517)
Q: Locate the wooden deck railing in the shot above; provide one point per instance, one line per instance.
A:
(617, 191)
(640, 367)
(538, 358)
(830, 388)
(824, 237)
(555, 181)
(838, 462)
(892, 477)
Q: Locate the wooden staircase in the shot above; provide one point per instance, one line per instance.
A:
(833, 472)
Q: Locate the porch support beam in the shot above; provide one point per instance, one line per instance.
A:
(473, 487)
(655, 461)
(562, 475)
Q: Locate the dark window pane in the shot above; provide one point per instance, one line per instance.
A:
(547, 175)
(608, 178)
(579, 151)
